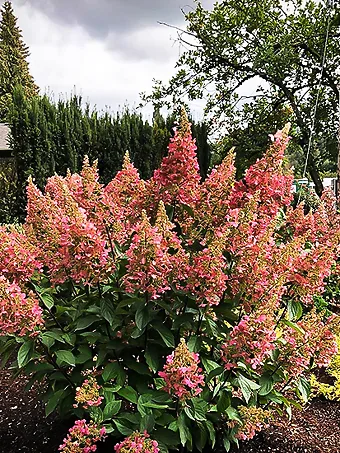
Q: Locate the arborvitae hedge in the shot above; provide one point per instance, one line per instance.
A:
(52, 137)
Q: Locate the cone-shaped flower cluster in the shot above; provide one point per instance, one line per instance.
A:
(88, 394)
(253, 419)
(206, 277)
(137, 443)
(156, 257)
(312, 338)
(19, 257)
(252, 339)
(70, 244)
(177, 179)
(82, 438)
(19, 314)
(182, 374)
(268, 177)
(122, 200)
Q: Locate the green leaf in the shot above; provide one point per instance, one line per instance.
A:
(25, 353)
(53, 401)
(85, 322)
(122, 428)
(233, 414)
(295, 310)
(163, 448)
(212, 328)
(247, 386)
(152, 357)
(139, 367)
(85, 354)
(226, 444)
(136, 333)
(169, 211)
(142, 317)
(147, 423)
(107, 310)
(167, 436)
(200, 436)
(112, 408)
(165, 333)
(47, 340)
(165, 419)
(212, 432)
(185, 321)
(304, 388)
(184, 432)
(194, 343)
(155, 405)
(109, 429)
(216, 372)
(209, 365)
(160, 396)
(196, 409)
(129, 394)
(159, 383)
(266, 382)
(66, 356)
(114, 371)
(140, 405)
(96, 414)
(293, 326)
(133, 418)
(55, 335)
(173, 426)
(226, 312)
(69, 338)
(47, 300)
(223, 401)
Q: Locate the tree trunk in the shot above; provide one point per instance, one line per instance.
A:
(311, 166)
(314, 173)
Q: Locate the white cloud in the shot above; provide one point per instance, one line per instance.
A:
(65, 57)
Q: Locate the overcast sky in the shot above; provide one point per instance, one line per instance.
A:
(109, 50)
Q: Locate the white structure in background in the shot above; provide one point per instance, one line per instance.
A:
(328, 183)
(5, 149)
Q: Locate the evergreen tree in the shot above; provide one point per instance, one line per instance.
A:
(48, 137)
(21, 143)
(14, 69)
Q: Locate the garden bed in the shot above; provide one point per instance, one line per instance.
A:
(24, 429)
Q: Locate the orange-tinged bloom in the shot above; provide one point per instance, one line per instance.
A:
(20, 314)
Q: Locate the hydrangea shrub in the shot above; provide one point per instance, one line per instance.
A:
(169, 313)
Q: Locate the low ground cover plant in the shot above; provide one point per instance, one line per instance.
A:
(171, 314)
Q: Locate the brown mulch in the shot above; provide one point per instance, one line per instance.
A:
(316, 429)
(24, 428)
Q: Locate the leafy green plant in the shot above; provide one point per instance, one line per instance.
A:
(169, 308)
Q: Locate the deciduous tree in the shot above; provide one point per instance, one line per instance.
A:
(275, 44)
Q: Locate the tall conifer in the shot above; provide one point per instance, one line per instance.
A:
(14, 68)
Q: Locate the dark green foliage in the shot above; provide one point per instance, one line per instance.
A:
(14, 67)
(8, 182)
(52, 137)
